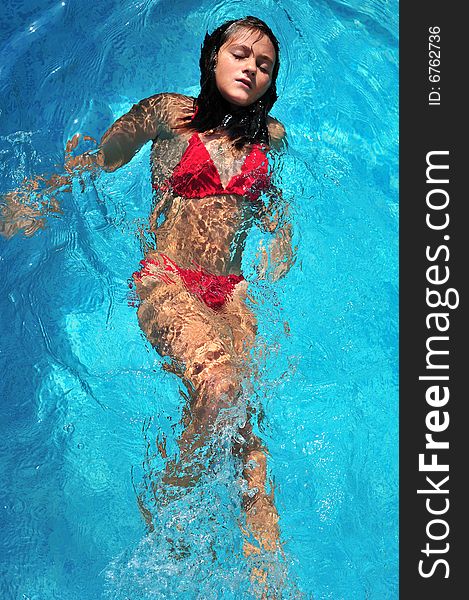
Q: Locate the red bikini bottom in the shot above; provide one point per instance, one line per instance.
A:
(214, 290)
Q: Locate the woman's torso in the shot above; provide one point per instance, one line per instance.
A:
(209, 231)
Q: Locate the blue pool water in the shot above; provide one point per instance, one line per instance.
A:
(83, 397)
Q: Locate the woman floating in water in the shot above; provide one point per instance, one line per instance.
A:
(210, 172)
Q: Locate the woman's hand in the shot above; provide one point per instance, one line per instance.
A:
(280, 256)
(24, 209)
(88, 161)
(263, 264)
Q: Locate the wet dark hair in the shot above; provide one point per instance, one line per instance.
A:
(244, 124)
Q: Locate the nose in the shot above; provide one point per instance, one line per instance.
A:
(250, 66)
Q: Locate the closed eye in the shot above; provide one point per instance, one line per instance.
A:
(263, 69)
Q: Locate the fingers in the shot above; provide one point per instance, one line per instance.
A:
(32, 226)
(29, 226)
(71, 162)
(81, 162)
(72, 144)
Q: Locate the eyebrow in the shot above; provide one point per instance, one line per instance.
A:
(264, 56)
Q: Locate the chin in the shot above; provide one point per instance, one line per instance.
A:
(236, 97)
(241, 102)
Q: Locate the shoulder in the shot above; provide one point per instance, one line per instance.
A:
(168, 101)
(168, 108)
(277, 133)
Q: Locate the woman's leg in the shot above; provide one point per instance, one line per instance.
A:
(261, 514)
(214, 349)
(179, 325)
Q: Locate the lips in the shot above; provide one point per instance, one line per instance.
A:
(246, 82)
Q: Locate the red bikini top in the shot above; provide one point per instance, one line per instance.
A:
(196, 175)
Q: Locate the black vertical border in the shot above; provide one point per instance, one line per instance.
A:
(425, 128)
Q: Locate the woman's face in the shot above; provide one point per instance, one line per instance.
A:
(244, 66)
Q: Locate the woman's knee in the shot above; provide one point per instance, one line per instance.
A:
(218, 381)
(217, 387)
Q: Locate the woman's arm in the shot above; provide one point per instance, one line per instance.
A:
(24, 209)
(144, 122)
(279, 257)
